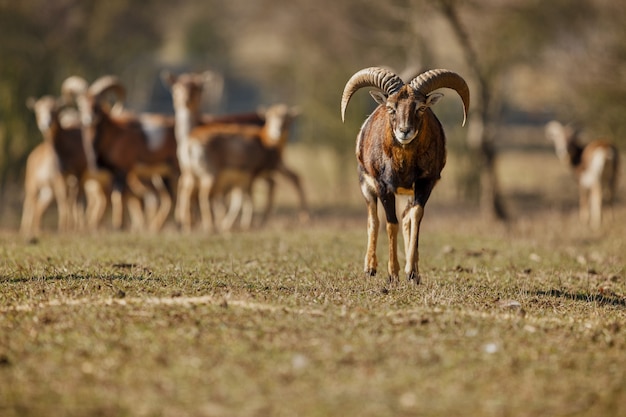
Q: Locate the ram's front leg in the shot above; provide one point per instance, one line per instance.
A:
(371, 262)
(389, 203)
(394, 265)
(411, 229)
(411, 221)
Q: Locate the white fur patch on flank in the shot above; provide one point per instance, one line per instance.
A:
(368, 185)
(156, 138)
(593, 173)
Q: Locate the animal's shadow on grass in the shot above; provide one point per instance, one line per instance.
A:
(601, 299)
(135, 273)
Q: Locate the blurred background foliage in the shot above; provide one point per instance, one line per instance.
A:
(526, 61)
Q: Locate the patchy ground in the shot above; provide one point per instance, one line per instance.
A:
(527, 319)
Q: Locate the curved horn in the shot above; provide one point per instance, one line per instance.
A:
(105, 84)
(442, 78)
(378, 77)
(73, 86)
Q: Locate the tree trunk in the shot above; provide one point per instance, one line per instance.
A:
(480, 138)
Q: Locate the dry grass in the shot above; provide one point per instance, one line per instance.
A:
(526, 319)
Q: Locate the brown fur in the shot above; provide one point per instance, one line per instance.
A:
(59, 165)
(222, 148)
(388, 168)
(120, 144)
(595, 166)
(186, 95)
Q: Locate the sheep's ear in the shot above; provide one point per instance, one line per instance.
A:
(379, 97)
(30, 102)
(433, 98)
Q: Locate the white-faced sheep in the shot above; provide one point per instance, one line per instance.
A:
(58, 168)
(401, 149)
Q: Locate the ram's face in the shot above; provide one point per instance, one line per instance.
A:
(406, 110)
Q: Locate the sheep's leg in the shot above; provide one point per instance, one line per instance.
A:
(611, 174)
(75, 212)
(135, 211)
(411, 222)
(295, 180)
(371, 262)
(165, 204)
(182, 211)
(406, 233)
(234, 207)
(411, 234)
(394, 265)
(596, 205)
(389, 203)
(43, 200)
(584, 204)
(271, 186)
(150, 206)
(60, 194)
(247, 211)
(96, 203)
(117, 209)
(28, 212)
(205, 201)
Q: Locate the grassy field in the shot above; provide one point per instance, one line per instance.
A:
(524, 319)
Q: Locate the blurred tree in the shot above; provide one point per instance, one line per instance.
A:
(524, 28)
(43, 42)
(524, 54)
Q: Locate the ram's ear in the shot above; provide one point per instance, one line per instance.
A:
(379, 97)
(433, 98)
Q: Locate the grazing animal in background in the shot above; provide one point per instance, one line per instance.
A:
(595, 166)
(58, 168)
(131, 147)
(230, 156)
(401, 150)
(187, 90)
(43, 183)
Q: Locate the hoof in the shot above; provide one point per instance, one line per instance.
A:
(414, 278)
(370, 272)
(392, 280)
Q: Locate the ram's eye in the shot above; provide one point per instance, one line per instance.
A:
(391, 110)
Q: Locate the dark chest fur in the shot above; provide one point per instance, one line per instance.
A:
(400, 166)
